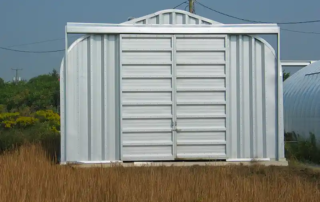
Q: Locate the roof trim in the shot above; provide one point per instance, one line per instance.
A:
(134, 20)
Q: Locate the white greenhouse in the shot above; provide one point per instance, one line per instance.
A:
(301, 101)
(171, 86)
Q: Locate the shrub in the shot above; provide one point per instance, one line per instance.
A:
(36, 133)
(49, 116)
(24, 122)
(304, 149)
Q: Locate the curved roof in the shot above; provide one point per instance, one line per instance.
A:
(172, 16)
(166, 17)
(301, 101)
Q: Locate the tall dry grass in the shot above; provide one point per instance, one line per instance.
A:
(28, 175)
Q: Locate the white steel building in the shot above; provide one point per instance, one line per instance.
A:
(171, 86)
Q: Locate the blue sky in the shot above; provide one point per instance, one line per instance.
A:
(24, 21)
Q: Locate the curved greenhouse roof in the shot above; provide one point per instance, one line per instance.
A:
(301, 101)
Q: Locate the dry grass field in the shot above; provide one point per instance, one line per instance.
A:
(27, 175)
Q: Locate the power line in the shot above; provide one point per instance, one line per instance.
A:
(22, 51)
(254, 21)
(38, 42)
(297, 31)
(180, 4)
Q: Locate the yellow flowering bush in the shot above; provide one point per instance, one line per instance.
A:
(8, 124)
(15, 120)
(24, 121)
(49, 116)
(9, 116)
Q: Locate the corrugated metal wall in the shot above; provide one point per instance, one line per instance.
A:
(252, 99)
(92, 93)
(251, 85)
(301, 101)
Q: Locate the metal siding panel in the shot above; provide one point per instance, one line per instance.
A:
(193, 21)
(271, 114)
(180, 19)
(147, 98)
(247, 99)
(147, 137)
(154, 20)
(146, 57)
(240, 97)
(83, 100)
(96, 99)
(201, 123)
(146, 84)
(210, 136)
(200, 83)
(167, 18)
(72, 146)
(146, 110)
(259, 64)
(146, 70)
(147, 152)
(197, 108)
(253, 98)
(128, 124)
(113, 60)
(206, 70)
(234, 98)
(143, 43)
(227, 110)
(200, 43)
(201, 151)
(201, 110)
(194, 96)
(203, 57)
(152, 97)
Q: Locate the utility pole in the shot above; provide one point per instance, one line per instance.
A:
(16, 79)
(191, 6)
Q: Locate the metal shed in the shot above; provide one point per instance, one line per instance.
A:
(171, 86)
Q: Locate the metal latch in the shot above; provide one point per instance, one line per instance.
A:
(174, 127)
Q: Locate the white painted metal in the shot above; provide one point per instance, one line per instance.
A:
(246, 61)
(294, 63)
(175, 29)
(301, 101)
(201, 123)
(147, 97)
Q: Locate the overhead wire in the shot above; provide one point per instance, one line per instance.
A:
(297, 31)
(23, 51)
(180, 4)
(214, 10)
(255, 21)
(284, 29)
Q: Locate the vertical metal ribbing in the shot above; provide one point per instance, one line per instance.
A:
(240, 97)
(64, 104)
(280, 131)
(264, 103)
(173, 18)
(119, 50)
(174, 94)
(103, 97)
(253, 99)
(89, 96)
(228, 97)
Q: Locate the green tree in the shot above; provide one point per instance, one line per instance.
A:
(285, 75)
(39, 93)
(1, 82)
